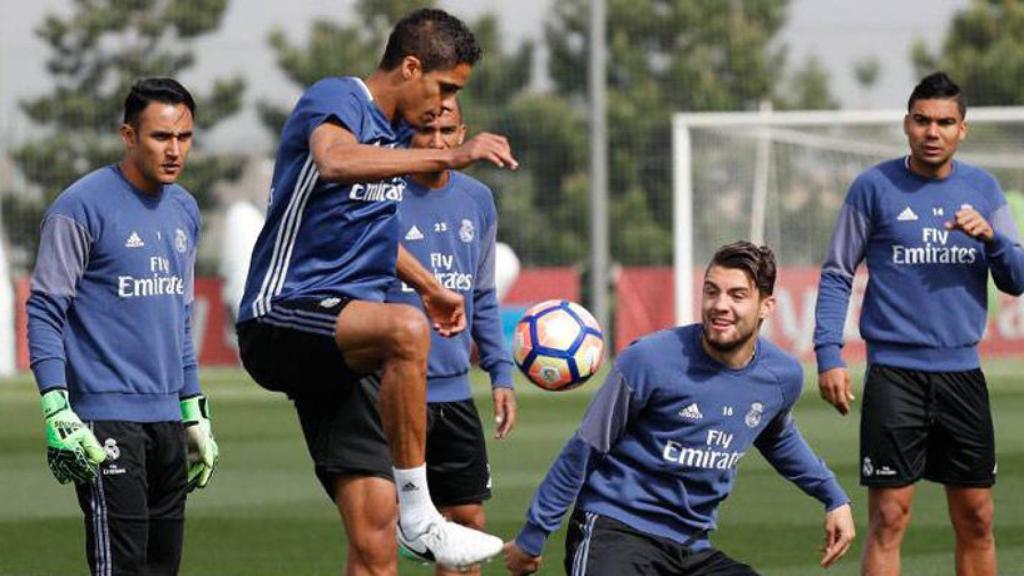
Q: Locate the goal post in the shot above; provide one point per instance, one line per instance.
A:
(780, 178)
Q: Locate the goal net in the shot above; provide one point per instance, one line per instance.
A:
(779, 178)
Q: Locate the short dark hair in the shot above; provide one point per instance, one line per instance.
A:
(146, 90)
(938, 86)
(757, 261)
(439, 40)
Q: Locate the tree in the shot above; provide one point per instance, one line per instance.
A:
(808, 88)
(98, 50)
(983, 51)
(539, 205)
(334, 49)
(663, 57)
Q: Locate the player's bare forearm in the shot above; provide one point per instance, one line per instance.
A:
(340, 158)
(410, 271)
(445, 309)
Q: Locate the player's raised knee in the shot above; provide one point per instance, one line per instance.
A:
(408, 332)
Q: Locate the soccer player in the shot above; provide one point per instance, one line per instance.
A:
(312, 318)
(111, 345)
(931, 229)
(449, 223)
(658, 447)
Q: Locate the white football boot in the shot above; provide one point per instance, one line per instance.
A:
(451, 545)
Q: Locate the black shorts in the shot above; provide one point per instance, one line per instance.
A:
(597, 545)
(337, 408)
(457, 469)
(932, 425)
(135, 508)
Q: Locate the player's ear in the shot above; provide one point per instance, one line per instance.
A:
(906, 124)
(767, 306)
(128, 136)
(411, 68)
(963, 131)
(462, 134)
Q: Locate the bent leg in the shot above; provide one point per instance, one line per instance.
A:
(888, 518)
(368, 510)
(395, 339)
(971, 510)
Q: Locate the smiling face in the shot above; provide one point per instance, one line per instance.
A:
(934, 129)
(732, 309)
(158, 145)
(425, 95)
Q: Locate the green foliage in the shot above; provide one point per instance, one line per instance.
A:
(809, 88)
(98, 49)
(664, 56)
(983, 52)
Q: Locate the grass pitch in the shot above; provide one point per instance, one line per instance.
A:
(265, 514)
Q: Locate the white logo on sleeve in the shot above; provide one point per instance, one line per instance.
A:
(466, 231)
(134, 241)
(414, 233)
(907, 215)
(753, 417)
(691, 412)
(180, 240)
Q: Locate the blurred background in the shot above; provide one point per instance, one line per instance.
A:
(724, 120)
(65, 66)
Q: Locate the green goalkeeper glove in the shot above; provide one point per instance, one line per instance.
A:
(202, 449)
(72, 450)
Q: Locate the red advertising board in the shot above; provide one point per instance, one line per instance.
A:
(645, 302)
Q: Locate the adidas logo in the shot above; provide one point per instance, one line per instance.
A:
(907, 215)
(409, 487)
(134, 241)
(691, 412)
(414, 233)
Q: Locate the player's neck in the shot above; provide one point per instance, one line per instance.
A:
(432, 180)
(927, 171)
(383, 89)
(135, 177)
(735, 358)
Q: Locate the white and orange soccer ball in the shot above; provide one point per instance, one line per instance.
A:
(558, 345)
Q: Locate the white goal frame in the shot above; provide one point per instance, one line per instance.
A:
(770, 126)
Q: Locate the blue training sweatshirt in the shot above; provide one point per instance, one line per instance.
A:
(324, 239)
(451, 231)
(660, 442)
(109, 310)
(927, 297)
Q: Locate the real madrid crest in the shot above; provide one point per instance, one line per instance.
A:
(180, 240)
(753, 417)
(466, 231)
(111, 449)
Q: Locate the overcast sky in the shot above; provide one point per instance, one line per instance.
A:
(838, 31)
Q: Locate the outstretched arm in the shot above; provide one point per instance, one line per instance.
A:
(339, 156)
(786, 450)
(606, 419)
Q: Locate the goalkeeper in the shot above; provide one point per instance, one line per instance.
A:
(111, 345)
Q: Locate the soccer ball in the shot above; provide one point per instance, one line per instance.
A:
(558, 345)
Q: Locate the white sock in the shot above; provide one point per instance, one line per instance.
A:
(415, 509)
